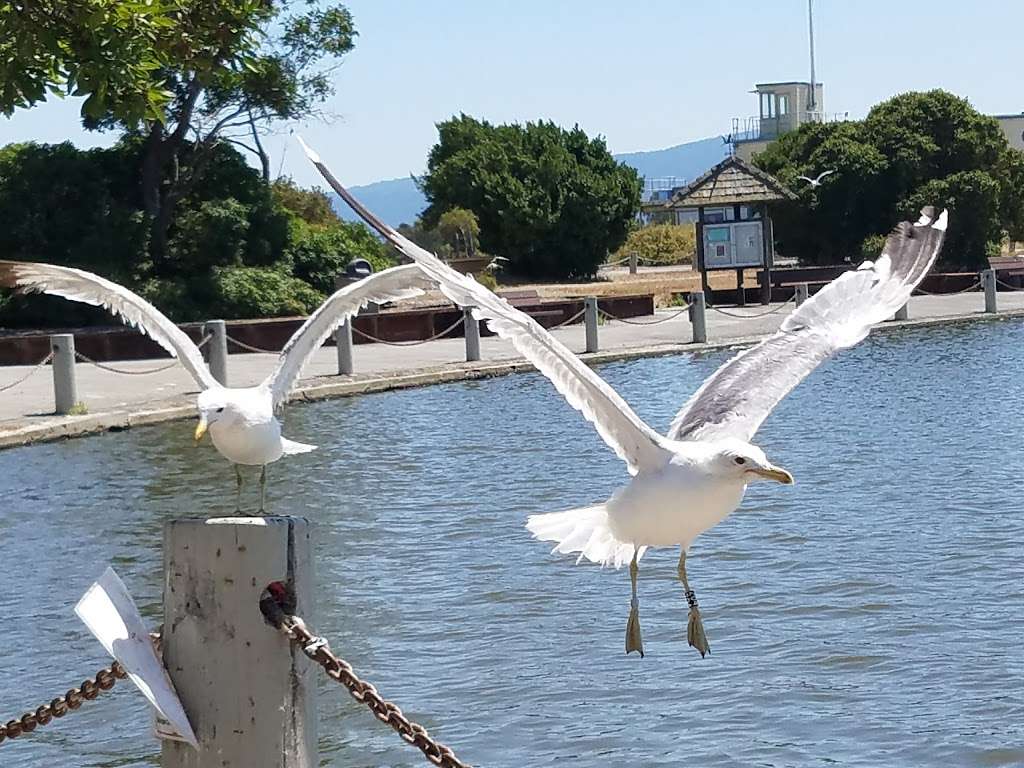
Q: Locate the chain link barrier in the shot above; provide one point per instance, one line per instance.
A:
(673, 316)
(250, 347)
(26, 377)
(415, 343)
(124, 371)
(568, 320)
(968, 289)
(742, 316)
(273, 606)
(102, 681)
(1008, 286)
(615, 263)
(129, 372)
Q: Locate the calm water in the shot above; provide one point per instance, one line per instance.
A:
(870, 615)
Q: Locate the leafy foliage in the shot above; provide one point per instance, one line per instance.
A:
(554, 202)
(182, 76)
(460, 230)
(260, 292)
(661, 243)
(238, 249)
(913, 150)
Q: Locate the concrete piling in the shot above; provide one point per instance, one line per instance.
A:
(472, 329)
(65, 387)
(590, 320)
(217, 349)
(698, 310)
(343, 341)
(802, 293)
(250, 696)
(988, 283)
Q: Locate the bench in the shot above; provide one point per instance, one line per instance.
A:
(1009, 269)
(529, 301)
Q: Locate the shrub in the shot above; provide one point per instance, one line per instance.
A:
(661, 243)
(244, 292)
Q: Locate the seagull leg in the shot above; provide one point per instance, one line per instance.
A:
(263, 489)
(633, 640)
(238, 490)
(695, 626)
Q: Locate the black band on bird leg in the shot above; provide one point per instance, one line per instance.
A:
(691, 598)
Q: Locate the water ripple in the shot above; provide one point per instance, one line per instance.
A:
(869, 615)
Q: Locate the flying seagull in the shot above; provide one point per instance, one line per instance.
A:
(816, 181)
(241, 420)
(691, 479)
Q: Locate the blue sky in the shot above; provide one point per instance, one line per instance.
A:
(645, 76)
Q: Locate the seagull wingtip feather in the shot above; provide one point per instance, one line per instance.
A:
(310, 152)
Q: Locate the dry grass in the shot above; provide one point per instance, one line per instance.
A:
(660, 281)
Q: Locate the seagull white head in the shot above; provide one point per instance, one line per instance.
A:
(216, 407)
(745, 462)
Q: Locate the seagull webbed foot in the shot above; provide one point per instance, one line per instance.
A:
(634, 642)
(695, 635)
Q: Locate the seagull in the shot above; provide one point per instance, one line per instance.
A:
(241, 420)
(816, 181)
(495, 265)
(691, 479)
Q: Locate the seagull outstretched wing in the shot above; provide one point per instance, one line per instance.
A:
(624, 432)
(87, 288)
(739, 396)
(392, 284)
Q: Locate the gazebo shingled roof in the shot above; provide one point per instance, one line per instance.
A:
(731, 182)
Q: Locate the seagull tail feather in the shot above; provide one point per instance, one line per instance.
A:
(290, 447)
(584, 530)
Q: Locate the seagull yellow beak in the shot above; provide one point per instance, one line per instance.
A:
(201, 428)
(778, 474)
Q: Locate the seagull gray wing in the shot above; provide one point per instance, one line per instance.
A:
(738, 397)
(617, 424)
(392, 284)
(87, 288)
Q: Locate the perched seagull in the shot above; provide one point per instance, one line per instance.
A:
(691, 479)
(497, 264)
(816, 181)
(241, 420)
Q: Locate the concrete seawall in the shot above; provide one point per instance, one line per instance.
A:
(121, 402)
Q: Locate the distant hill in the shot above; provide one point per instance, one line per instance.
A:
(398, 201)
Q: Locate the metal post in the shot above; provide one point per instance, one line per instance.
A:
(988, 282)
(250, 697)
(590, 320)
(633, 262)
(697, 320)
(903, 313)
(472, 328)
(343, 340)
(802, 293)
(217, 356)
(65, 388)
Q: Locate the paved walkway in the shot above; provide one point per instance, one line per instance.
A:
(120, 400)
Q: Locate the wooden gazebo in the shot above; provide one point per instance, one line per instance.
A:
(734, 230)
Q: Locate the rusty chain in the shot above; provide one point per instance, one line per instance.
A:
(103, 680)
(317, 649)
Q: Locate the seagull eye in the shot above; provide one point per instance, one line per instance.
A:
(740, 460)
(221, 409)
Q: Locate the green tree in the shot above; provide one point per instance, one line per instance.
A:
(106, 50)
(237, 249)
(554, 202)
(460, 230)
(183, 76)
(915, 149)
